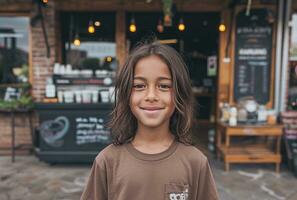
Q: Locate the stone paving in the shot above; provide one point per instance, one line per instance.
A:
(30, 179)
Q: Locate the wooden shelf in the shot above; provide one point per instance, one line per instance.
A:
(250, 154)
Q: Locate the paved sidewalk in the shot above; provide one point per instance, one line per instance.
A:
(30, 179)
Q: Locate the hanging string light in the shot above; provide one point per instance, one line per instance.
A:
(91, 28)
(97, 23)
(222, 27)
(76, 40)
(181, 25)
(108, 58)
(132, 26)
(160, 26)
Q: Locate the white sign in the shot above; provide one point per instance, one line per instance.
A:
(211, 66)
(97, 49)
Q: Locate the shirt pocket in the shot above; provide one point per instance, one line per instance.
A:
(176, 191)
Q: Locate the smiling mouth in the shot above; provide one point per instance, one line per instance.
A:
(151, 109)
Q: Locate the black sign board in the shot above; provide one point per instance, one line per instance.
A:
(253, 55)
(73, 129)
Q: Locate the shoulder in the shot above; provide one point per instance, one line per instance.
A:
(109, 153)
(192, 151)
(192, 154)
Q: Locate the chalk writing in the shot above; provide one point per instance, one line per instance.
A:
(91, 130)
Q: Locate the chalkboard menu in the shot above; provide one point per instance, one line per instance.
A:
(253, 55)
(72, 132)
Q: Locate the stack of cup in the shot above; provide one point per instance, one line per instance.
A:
(78, 96)
(104, 96)
(95, 94)
(86, 96)
(60, 96)
(69, 97)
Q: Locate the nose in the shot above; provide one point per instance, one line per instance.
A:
(152, 94)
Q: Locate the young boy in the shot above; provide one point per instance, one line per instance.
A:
(151, 157)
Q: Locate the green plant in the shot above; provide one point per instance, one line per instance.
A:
(167, 5)
(7, 104)
(25, 100)
(22, 102)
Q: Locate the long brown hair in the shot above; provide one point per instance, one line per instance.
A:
(123, 123)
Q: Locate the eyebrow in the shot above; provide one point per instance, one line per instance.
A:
(159, 78)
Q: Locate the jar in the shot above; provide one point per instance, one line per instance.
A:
(262, 114)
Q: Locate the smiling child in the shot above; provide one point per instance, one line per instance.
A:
(151, 157)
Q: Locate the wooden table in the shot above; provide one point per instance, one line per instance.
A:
(249, 153)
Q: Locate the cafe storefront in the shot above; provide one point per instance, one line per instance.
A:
(75, 47)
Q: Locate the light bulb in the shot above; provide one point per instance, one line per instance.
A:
(91, 28)
(109, 59)
(45, 1)
(132, 28)
(97, 23)
(181, 26)
(160, 27)
(167, 20)
(76, 42)
(222, 28)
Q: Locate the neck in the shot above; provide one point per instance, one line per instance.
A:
(150, 136)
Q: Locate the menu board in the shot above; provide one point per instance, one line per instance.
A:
(253, 55)
(74, 128)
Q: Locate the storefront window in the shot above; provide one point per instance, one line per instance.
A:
(89, 40)
(14, 49)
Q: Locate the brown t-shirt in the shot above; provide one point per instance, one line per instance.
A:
(123, 173)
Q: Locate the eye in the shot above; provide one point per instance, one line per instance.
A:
(165, 86)
(138, 86)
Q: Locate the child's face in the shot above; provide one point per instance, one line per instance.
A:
(151, 99)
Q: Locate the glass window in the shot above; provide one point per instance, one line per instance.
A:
(89, 40)
(14, 49)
